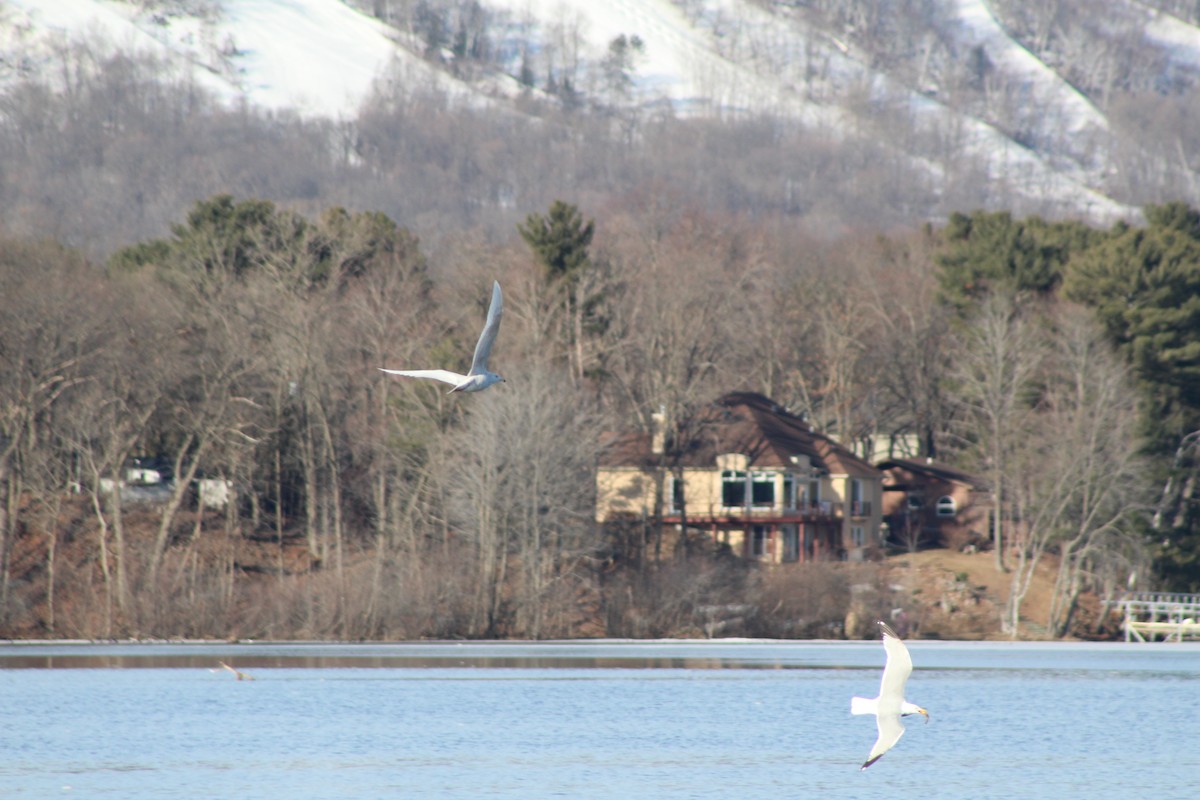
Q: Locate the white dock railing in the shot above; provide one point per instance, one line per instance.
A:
(1151, 615)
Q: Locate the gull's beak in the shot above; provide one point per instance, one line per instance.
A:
(925, 714)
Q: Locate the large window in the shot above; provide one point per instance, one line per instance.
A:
(789, 491)
(733, 488)
(762, 489)
(739, 489)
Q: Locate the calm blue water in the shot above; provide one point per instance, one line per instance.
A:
(739, 720)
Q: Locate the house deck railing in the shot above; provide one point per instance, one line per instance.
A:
(822, 511)
(860, 508)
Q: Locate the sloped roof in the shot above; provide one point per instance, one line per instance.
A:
(934, 470)
(626, 449)
(753, 425)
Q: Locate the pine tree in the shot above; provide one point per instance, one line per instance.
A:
(1144, 284)
(985, 253)
(560, 239)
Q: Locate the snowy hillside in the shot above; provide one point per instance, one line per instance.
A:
(314, 56)
(963, 82)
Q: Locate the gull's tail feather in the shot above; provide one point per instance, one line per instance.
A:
(863, 705)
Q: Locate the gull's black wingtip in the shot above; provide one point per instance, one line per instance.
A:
(869, 762)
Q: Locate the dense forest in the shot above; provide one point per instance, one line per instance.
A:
(215, 290)
(1054, 358)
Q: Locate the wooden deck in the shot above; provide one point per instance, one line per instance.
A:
(1161, 616)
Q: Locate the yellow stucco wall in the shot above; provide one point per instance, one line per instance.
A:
(630, 491)
(623, 490)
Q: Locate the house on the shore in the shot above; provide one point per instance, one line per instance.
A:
(754, 478)
(928, 504)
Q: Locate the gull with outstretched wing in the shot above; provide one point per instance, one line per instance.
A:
(478, 378)
(890, 705)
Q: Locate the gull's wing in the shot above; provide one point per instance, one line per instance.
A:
(890, 731)
(895, 675)
(483, 348)
(443, 375)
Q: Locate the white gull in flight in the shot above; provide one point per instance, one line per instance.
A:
(478, 378)
(890, 705)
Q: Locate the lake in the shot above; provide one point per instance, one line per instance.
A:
(695, 719)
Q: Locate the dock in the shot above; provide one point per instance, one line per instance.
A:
(1161, 616)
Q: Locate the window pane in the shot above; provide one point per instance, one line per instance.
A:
(763, 489)
(946, 507)
(733, 488)
(674, 492)
(758, 542)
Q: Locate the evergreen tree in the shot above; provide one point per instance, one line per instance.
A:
(985, 252)
(621, 62)
(221, 237)
(1144, 284)
(225, 238)
(560, 240)
(351, 245)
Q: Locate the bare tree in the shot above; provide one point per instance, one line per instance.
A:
(674, 333)
(387, 320)
(207, 399)
(1081, 484)
(50, 335)
(521, 475)
(107, 423)
(1000, 357)
(842, 383)
(913, 346)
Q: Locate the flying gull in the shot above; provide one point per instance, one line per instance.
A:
(478, 378)
(890, 705)
(241, 676)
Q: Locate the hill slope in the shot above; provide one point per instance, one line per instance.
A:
(939, 82)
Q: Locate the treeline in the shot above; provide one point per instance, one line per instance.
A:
(1055, 359)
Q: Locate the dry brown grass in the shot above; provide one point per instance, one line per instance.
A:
(961, 595)
(221, 585)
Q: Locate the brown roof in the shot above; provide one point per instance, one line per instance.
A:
(751, 424)
(629, 449)
(934, 470)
